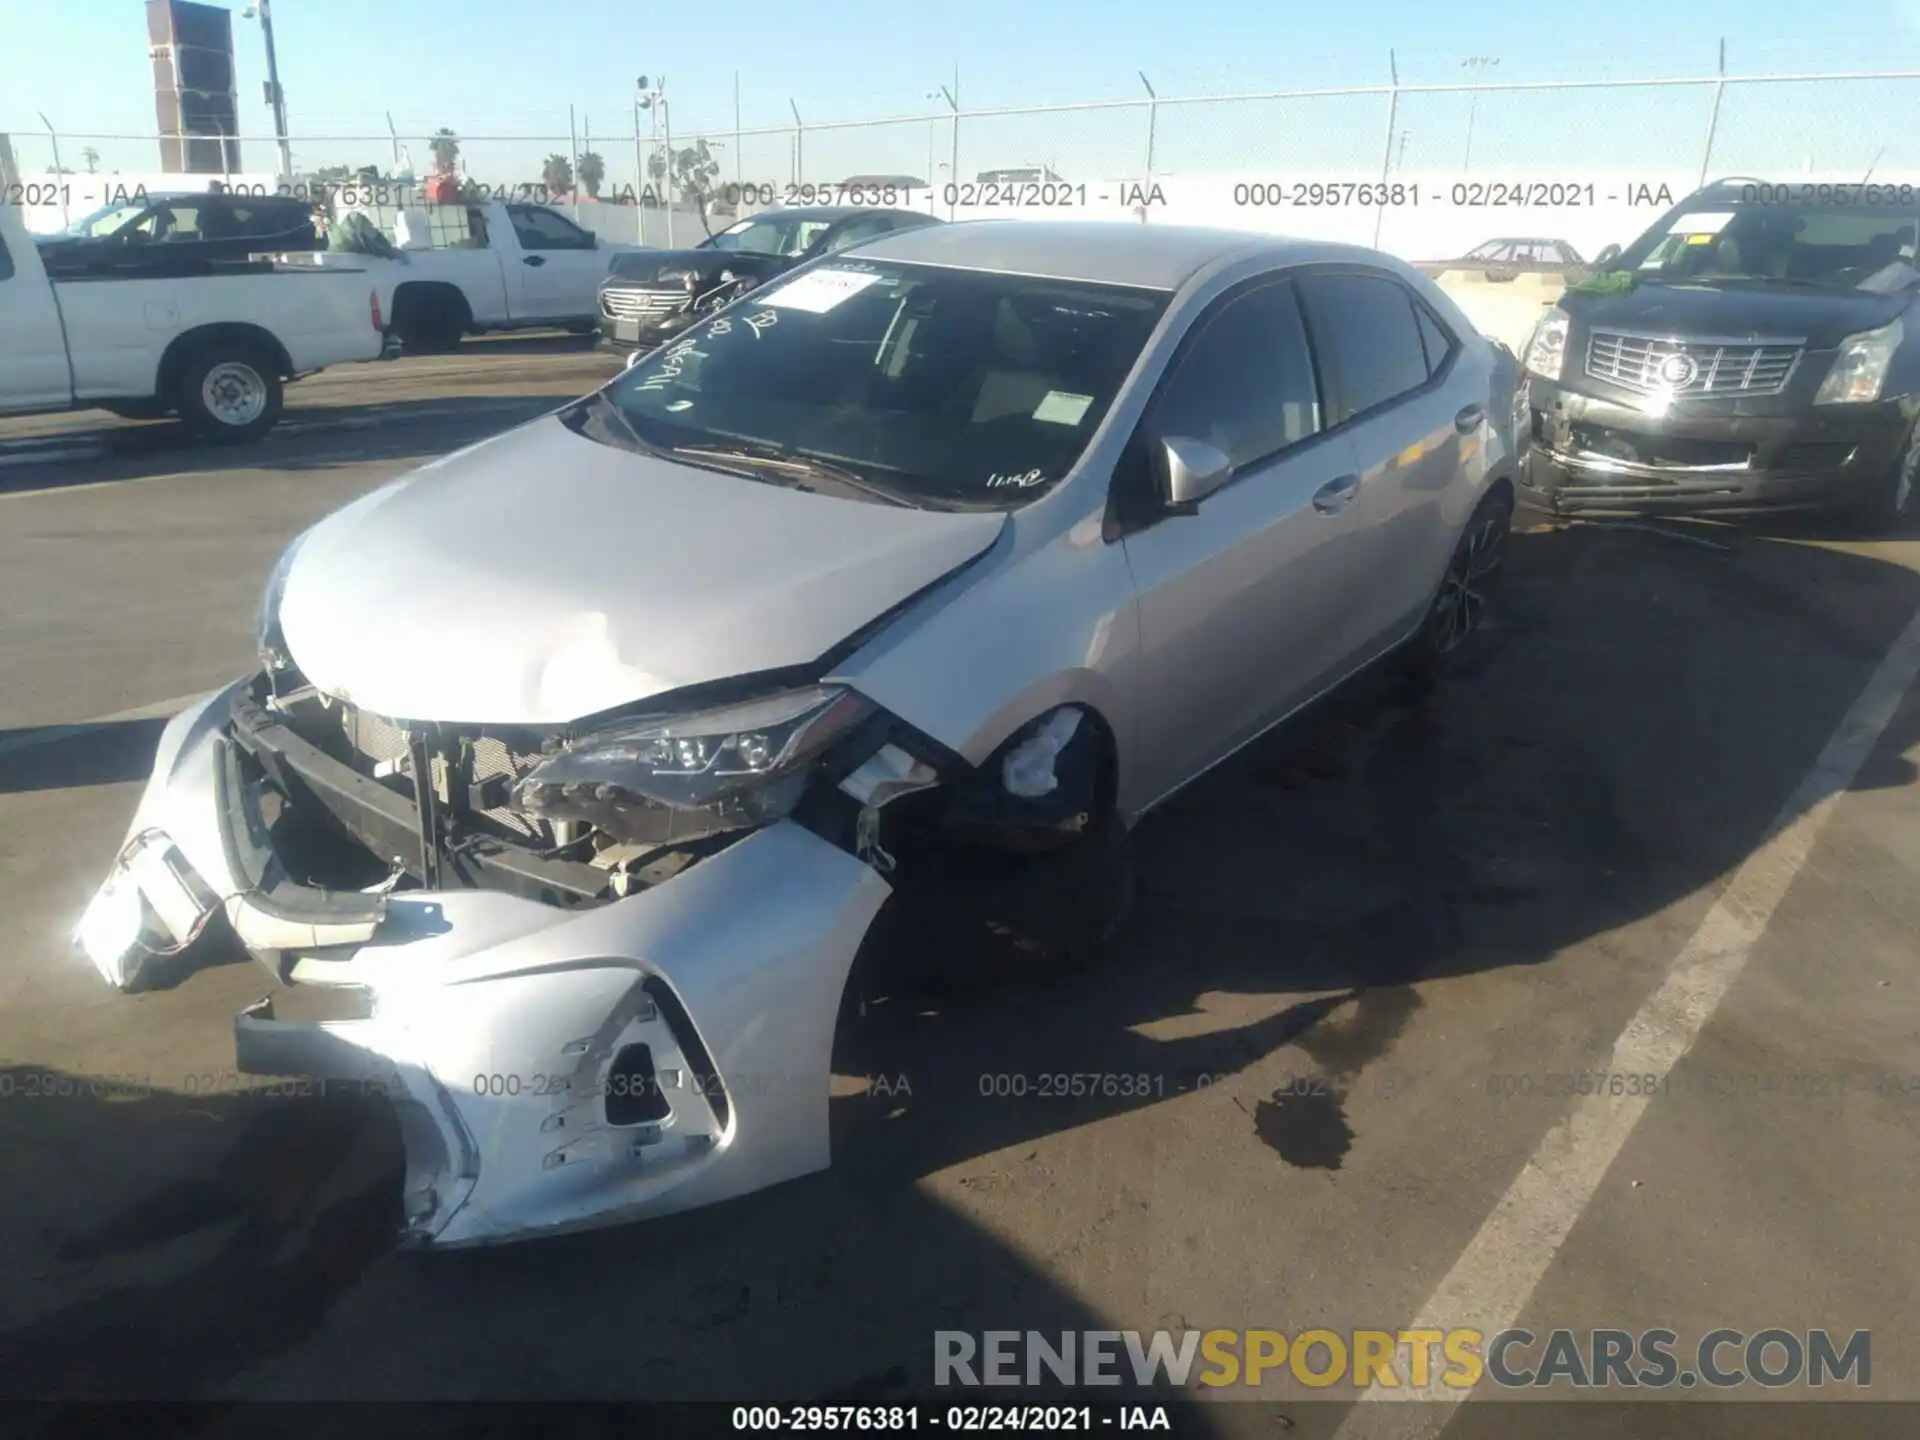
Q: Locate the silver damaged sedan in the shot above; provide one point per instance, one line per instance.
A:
(587, 768)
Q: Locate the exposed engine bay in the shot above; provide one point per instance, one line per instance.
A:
(500, 809)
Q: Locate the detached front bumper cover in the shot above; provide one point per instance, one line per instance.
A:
(552, 1068)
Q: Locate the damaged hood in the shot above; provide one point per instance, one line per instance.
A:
(540, 577)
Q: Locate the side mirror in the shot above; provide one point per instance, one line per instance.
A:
(1607, 256)
(1194, 470)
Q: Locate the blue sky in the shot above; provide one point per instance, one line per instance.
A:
(494, 67)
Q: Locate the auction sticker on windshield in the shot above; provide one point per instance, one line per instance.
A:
(819, 290)
(1060, 408)
(1702, 223)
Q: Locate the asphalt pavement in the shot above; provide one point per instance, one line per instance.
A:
(1665, 818)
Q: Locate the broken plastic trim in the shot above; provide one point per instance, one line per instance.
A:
(1028, 770)
(1040, 791)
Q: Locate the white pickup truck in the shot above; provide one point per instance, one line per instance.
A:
(216, 349)
(471, 268)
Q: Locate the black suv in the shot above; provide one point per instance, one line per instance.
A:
(649, 296)
(157, 234)
(1757, 349)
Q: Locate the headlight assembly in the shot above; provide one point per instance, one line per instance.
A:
(1860, 366)
(1547, 350)
(669, 779)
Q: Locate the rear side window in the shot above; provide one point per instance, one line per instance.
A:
(858, 232)
(539, 229)
(6, 262)
(1246, 385)
(1435, 337)
(1366, 330)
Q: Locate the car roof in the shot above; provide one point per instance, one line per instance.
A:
(831, 212)
(1117, 252)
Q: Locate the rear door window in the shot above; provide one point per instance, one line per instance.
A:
(1365, 329)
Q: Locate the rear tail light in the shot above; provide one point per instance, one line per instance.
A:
(373, 301)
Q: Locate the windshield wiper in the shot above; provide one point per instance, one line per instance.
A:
(768, 457)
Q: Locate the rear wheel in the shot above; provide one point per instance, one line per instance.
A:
(230, 393)
(1459, 605)
(429, 321)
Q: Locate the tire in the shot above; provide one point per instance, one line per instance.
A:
(429, 322)
(1894, 505)
(230, 392)
(1052, 914)
(1459, 604)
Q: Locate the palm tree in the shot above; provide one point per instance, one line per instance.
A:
(593, 172)
(557, 175)
(446, 150)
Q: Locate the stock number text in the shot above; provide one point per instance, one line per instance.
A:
(1323, 194)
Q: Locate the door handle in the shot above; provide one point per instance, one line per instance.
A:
(1334, 496)
(1468, 420)
(534, 260)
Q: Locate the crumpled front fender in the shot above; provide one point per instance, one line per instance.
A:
(508, 1033)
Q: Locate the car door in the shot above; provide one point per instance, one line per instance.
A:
(1386, 359)
(1236, 599)
(562, 266)
(33, 352)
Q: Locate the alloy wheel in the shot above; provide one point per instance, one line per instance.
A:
(1905, 481)
(1458, 608)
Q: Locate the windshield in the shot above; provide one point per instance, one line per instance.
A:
(105, 220)
(768, 235)
(1708, 238)
(942, 387)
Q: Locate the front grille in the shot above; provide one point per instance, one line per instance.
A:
(1695, 368)
(643, 304)
(381, 747)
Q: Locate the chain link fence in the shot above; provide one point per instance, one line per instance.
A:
(1105, 159)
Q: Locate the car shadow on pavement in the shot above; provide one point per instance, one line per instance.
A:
(66, 757)
(1626, 734)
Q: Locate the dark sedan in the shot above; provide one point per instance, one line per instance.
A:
(649, 296)
(156, 234)
(1757, 349)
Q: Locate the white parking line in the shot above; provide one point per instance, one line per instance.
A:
(53, 734)
(1502, 1266)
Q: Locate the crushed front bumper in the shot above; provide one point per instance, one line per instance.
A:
(1588, 454)
(552, 1068)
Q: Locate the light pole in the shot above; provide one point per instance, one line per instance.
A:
(276, 97)
(653, 99)
(953, 169)
(1474, 65)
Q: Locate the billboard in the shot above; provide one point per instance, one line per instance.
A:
(195, 96)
